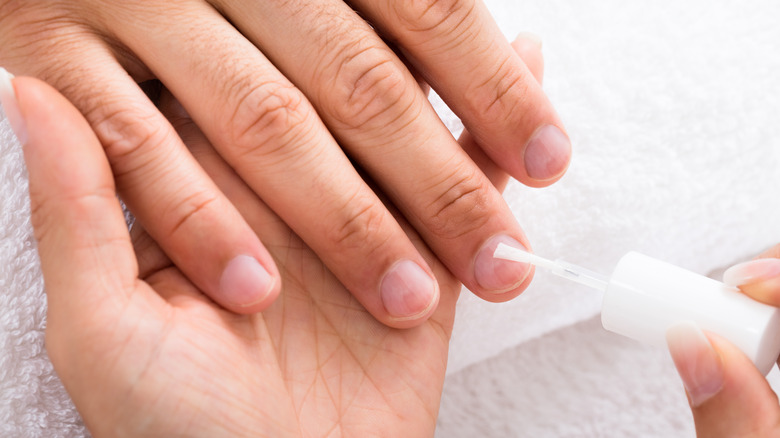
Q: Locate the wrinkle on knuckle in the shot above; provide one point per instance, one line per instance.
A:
(433, 15)
(198, 206)
(360, 225)
(500, 95)
(124, 129)
(135, 140)
(48, 213)
(370, 88)
(461, 207)
(269, 118)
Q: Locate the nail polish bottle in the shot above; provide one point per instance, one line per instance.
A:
(644, 297)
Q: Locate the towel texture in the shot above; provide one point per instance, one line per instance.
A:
(33, 402)
(672, 108)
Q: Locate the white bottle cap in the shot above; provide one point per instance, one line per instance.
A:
(645, 297)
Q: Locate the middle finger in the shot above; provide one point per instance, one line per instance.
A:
(267, 131)
(374, 107)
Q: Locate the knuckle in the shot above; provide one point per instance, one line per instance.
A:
(427, 15)
(500, 95)
(461, 206)
(268, 119)
(132, 135)
(370, 87)
(191, 211)
(361, 226)
(51, 212)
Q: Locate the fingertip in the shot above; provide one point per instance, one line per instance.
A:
(744, 405)
(10, 105)
(698, 363)
(409, 294)
(547, 156)
(759, 279)
(246, 286)
(496, 276)
(766, 291)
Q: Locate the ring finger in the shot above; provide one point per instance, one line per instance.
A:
(373, 105)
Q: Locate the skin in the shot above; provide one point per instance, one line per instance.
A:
(144, 352)
(744, 405)
(305, 100)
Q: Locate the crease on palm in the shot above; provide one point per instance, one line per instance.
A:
(325, 346)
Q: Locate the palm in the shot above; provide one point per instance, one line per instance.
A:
(313, 364)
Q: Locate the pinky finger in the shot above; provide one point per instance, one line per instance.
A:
(529, 47)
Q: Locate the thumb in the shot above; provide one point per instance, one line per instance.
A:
(83, 243)
(729, 397)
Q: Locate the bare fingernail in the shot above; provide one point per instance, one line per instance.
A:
(11, 106)
(407, 291)
(697, 362)
(245, 282)
(530, 37)
(547, 153)
(755, 271)
(498, 275)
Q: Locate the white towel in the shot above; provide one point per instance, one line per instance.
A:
(672, 108)
(33, 402)
(673, 111)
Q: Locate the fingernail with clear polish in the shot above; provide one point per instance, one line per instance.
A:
(754, 271)
(697, 362)
(547, 154)
(497, 275)
(245, 282)
(407, 291)
(11, 106)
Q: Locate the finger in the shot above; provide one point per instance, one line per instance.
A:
(759, 278)
(773, 252)
(460, 51)
(83, 243)
(149, 256)
(271, 135)
(373, 105)
(263, 220)
(165, 188)
(729, 397)
(529, 47)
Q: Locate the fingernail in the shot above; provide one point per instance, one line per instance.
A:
(754, 271)
(245, 282)
(547, 153)
(698, 364)
(11, 106)
(498, 275)
(530, 37)
(408, 291)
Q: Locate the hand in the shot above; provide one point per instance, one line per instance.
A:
(143, 352)
(729, 397)
(280, 88)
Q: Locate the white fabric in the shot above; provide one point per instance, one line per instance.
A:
(578, 381)
(33, 402)
(673, 110)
